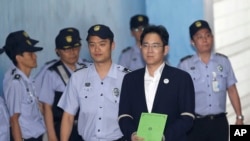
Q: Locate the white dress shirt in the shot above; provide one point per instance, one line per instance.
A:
(150, 85)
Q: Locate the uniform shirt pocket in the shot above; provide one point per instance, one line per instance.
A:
(222, 80)
(198, 80)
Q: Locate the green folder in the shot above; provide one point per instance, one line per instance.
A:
(151, 126)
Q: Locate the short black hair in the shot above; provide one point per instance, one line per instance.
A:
(160, 30)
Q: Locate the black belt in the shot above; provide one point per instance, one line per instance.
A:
(210, 117)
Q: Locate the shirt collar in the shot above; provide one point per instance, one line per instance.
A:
(112, 71)
(197, 58)
(157, 72)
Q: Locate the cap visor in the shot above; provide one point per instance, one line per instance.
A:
(33, 49)
(33, 41)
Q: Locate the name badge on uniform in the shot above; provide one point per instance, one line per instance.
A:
(87, 86)
(215, 83)
(220, 68)
(116, 92)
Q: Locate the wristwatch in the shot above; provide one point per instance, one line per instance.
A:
(241, 117)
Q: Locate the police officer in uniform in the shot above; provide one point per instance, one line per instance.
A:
(68, 45)
(131, 57)
(27, 123)
(213, 77)
(96, 91)
(40, 75)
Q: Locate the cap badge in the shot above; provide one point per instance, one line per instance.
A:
(198, 24)
(97, 28)
(68, 39)
(116, 92)
(140, 18)
(25, 34)
(28, 42)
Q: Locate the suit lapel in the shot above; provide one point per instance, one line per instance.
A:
(141, 89)
(161, 85)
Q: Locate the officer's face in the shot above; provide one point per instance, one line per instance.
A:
(27, 60)
(136, 32)
(100, 49)
(203, 41)
(153, 50)
(69, 56)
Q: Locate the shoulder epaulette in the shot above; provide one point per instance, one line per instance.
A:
(13, 71)
(51, 61)
(83, 67)
(17, 76)
(86, 60)
(186, 57)
(126, 49)
(126, 70)
(123, 69)
(219, 54)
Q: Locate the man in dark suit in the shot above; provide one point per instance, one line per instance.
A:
(157, 88)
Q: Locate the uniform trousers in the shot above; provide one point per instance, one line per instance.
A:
(210, 128)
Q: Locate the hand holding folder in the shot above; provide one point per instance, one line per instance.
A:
(151, 126)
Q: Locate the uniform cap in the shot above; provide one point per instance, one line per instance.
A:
(138, 20)
(196, 26)
(68, 38)
(101, 31)
(19, 42)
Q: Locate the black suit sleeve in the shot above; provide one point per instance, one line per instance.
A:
(125, 114)
(178, 129)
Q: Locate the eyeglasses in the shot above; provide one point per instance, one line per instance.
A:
(138, 29)
(153, 46)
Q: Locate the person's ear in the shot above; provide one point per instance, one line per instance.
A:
(18, 57)
(166, 50)
(193, 44)
(113, 45)
(57, 52)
